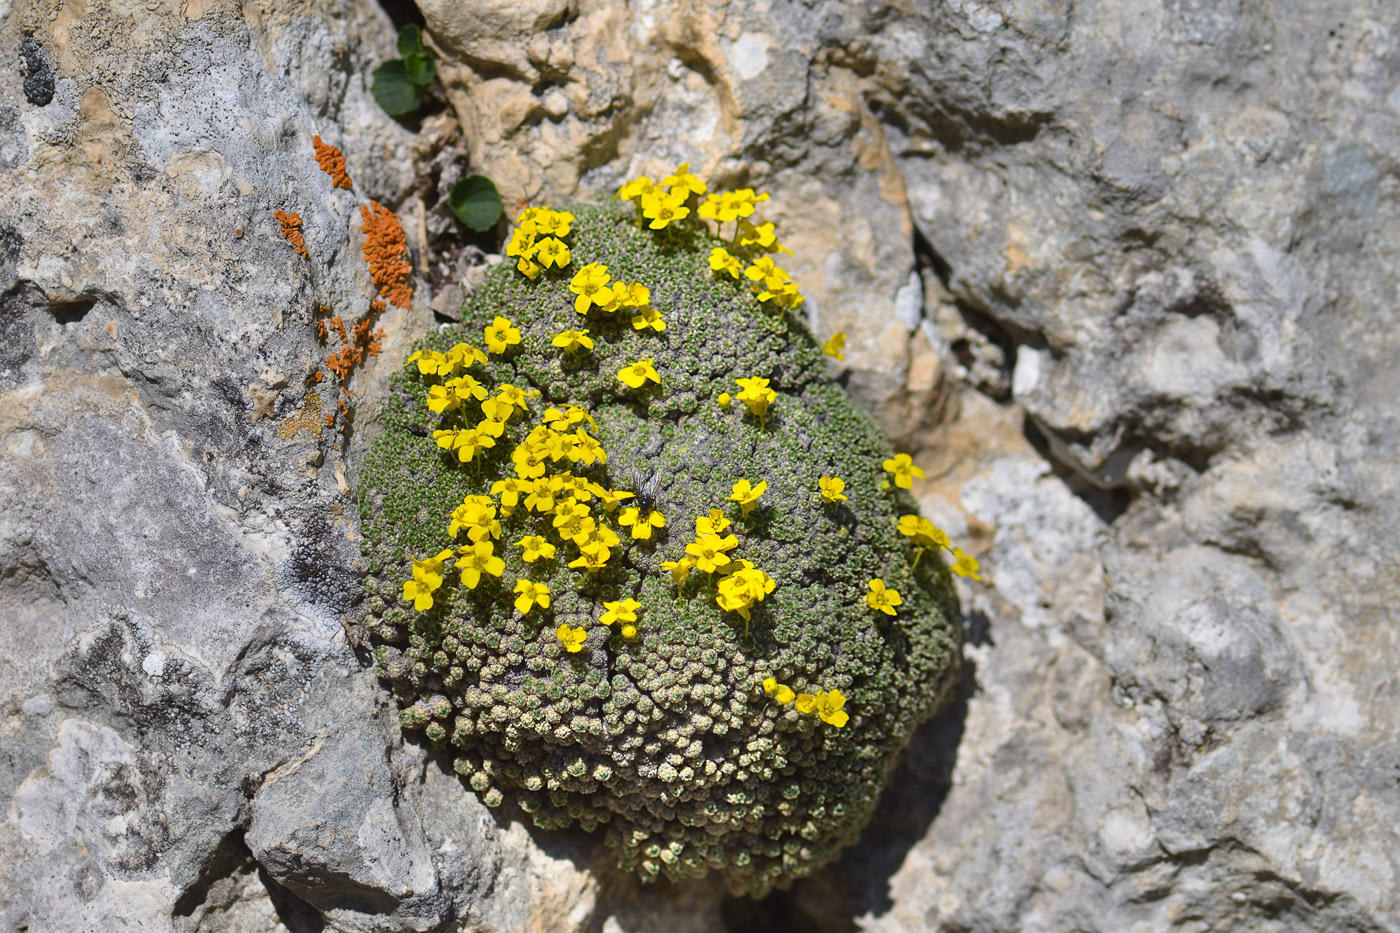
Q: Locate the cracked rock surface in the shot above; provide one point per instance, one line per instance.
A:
(1121, 275)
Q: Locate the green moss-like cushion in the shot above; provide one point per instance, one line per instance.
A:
(669, 738)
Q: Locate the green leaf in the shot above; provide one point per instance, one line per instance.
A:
(476, 202)
(394, 91)
(420, 67)
(410, 40)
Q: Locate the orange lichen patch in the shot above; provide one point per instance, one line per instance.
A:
(291, 230)
(332, 162)
(308, 419)
(361, 344)
(330, 418)
(315, 377)
(386, 251)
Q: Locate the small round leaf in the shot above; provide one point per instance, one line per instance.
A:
(410, 40)
(394, 91)
(420, 67)
(476, 202)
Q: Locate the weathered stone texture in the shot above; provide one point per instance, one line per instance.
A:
(1122, 274)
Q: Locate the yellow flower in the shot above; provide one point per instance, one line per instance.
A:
(628, 631)
(548, 222)
(572, 638)
(475, 559)
(636, 374)
(738, 591)
(713, 524)
(829, 708)
(806, 703)
(641, 526)
(835, 344)
(522, 240)
(611, 497)
(463, 355)
(756, 395)
(964, 565)
(583, 448)
(552, 252)
(566, 419)
(760, 236)
(724, 400)
(536, 548)
(622, 611)
(730, 205)
(597, 535)
(477, 516)
(427, 578)
(679, 569)
(501, 335)
(529, 595)
(465, 443)
(831, 488)
(684, 181)
(592, 557)
(590, 284)
(709, 551)
(430, 362)
(665, 209)
(529, 462)
(636, 188)
(529, 268)
(509, 490)
(634, 295)
(722, 261)
(882, 598)
(902, 466)
(648, 317)
(770, 684)
(544, 493)
(924, 532)
(571, 521)
(784, 694)
(746, 495)
(573, 339)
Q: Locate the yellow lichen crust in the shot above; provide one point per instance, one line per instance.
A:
(652, 621)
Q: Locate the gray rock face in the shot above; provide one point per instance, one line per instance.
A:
(1121, 276)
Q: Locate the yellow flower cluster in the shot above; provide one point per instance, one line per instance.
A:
(432, 363)
(772, 283)
(749, 253)
(496, 410)
(826, 704)
(595, 290)
(730, 205)
(667, 202)
(558, 500)
(549, 490)
(926, 534)
(537, 242)
(740, 583)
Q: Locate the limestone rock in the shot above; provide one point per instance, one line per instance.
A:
(1152, 249)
